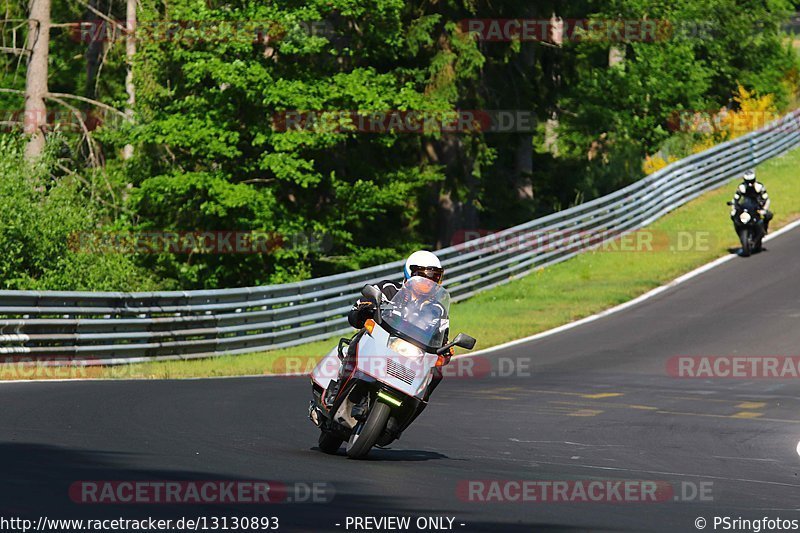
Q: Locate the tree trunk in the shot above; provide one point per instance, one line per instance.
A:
(616, 55)
(523, 161)
(130, 52)
(455, 210)
(36, 78)
(551, 126)
(524, 167)
(94, 49)
(551, 134)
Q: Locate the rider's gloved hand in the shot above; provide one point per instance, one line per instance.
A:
(448, 355)
(365, 309)
(366, 304)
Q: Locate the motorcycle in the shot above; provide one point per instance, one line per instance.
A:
(387, 383)
(748, 224)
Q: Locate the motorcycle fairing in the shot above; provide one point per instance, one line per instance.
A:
(408, 375)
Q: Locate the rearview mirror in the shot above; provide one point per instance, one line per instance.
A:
(374, 293)
(371, 291)
(462, 340)
(729, 202)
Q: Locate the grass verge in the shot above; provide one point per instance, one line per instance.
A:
(586, 284)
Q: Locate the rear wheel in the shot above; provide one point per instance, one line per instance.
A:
(364, 436)
(329, 443)
(744, 237)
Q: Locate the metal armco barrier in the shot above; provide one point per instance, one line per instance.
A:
(116, 327)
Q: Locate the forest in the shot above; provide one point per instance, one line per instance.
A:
(198, 144)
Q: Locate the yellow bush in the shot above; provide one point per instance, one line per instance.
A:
(753, 113)
(703, 144)
(656, 163)
(710, 129)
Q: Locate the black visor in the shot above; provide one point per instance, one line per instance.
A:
(432, 273)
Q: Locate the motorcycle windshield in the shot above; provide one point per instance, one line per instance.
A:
(420, 312)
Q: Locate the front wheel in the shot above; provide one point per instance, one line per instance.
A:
(364, 436)
(744, 237)
(757, 243)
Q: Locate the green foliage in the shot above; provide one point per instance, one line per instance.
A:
(41, 216)
(210, 152)
(613, 116)
(212, 157)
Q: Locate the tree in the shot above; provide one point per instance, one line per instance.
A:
(36, 77)
(205, 143)
(130, 56)
(212, 155)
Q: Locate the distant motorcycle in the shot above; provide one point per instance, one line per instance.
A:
(386, 387)
(748, 224)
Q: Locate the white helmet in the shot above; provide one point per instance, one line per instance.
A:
(425, 264)
(749, 176)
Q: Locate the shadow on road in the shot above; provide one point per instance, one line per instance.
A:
(36, 481)
(388, 454)
(738, 250)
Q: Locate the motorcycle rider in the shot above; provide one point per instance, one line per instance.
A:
(420, 263)
(757, 191)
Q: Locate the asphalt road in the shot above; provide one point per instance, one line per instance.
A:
(595, 403)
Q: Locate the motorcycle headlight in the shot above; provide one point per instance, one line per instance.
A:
(745, 217)
(733, 212)
(404, 348)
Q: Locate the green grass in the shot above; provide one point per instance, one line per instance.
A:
(555, 295)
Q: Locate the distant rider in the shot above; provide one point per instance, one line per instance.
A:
(420, 263)
(750, 188)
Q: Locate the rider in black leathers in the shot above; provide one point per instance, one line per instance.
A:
(756, 190)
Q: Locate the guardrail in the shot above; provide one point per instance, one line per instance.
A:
(117, 327)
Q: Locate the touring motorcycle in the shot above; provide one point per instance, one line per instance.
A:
(386, 384)
(748, 224)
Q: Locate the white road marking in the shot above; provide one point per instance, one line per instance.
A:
(746, 458)
(637, 470)
(565, 442)
(646, 296)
